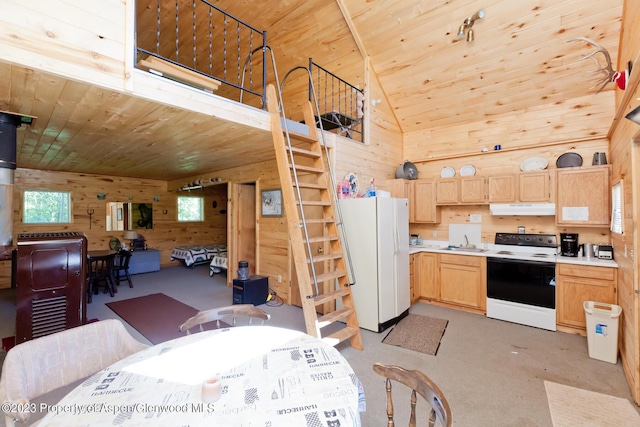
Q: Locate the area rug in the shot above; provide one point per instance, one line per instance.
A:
(571, 406)
(156, 316)
(418, 333)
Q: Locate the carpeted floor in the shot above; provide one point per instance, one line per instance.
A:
(419, 333)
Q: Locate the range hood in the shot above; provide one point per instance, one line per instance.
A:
(530, 209)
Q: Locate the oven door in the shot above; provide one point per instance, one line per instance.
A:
(524, 282)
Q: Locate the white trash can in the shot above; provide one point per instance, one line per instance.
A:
(602, 330)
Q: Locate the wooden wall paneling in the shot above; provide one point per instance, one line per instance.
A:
(625, 160)
(549, 123)
(51, 39)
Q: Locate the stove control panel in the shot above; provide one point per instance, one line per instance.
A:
(519, 239)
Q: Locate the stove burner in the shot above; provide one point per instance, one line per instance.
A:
(540, 255)
(505, 252)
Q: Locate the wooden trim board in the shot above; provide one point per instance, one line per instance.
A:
(178, 73)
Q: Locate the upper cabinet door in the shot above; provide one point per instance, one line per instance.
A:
(446, 191)
(423, 202)
(502, 189)
(583, 196)
(474, 190)
(535, 187)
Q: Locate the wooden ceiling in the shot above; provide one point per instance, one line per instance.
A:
(520, 58)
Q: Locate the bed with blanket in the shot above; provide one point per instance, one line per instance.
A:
(198, 254)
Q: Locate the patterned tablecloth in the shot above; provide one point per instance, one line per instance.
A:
(270, 377)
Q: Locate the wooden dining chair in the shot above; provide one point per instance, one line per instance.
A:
(121, 267)
(101, 275)
(421, 384)
(43, 366)
(230, 313)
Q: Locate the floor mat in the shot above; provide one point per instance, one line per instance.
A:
(571, 406)
(418, 333)
(156, 316)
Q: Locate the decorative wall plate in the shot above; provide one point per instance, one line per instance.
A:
(114, 244)
(447, 172)
(569, 160)
(354, 185)
(534, 164)
(467, 170)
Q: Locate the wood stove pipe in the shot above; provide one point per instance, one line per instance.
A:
(8, 125)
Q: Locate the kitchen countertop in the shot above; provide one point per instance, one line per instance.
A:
(436, 246)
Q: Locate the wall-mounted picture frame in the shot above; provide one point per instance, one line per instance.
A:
(271, 202)
(119, 214)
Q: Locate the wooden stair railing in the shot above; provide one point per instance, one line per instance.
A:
(300, 156)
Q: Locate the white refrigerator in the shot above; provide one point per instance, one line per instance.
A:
(377, 232)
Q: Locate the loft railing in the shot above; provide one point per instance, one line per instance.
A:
(341, 104)
(201, 42)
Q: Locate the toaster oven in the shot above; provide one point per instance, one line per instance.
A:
(605, 251)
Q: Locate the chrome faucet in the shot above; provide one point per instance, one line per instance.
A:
(467, 239)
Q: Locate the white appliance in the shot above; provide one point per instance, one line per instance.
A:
(377, 232)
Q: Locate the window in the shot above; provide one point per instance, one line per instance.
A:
(190, 208)
(616, 208)
(46, 207)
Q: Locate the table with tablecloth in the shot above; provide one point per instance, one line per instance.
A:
(269, 377)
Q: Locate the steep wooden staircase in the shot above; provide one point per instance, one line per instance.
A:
(306, 189)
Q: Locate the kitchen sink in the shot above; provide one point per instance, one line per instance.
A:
(463, 249)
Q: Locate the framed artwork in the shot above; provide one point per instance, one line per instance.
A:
(119, 214)
(271, 202)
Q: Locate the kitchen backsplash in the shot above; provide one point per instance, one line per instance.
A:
(457, 233)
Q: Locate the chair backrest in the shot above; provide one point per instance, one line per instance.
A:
(122, 260)
(418, 383)
(232, 312)
(39, 366)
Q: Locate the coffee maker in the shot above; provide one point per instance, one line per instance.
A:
(569, 244)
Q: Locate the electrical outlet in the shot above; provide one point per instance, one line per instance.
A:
(435, 233)
(279, 278)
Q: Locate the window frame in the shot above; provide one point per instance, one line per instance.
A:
(24, 206)
(201, 198)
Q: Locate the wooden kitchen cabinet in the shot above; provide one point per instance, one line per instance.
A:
(526, 187)
(427, 276)
(421, 195)
(422, 202)
(447, 191)
(471, 190)
(463, 281)
(474, 190)
(535, 187)
(502, 189)
(583, 196)
(412, 278)
(576, 284)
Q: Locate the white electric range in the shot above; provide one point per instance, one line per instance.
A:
(521, 285)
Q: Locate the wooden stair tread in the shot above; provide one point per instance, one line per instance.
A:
(314, 203)
(322, 239)
(310, 185)
(326, 257)
(343, 334)
(331, 296)
(336, 274)
(307, 169)
(334, 316)
(320, 220)
(302, 137)
(306, 153)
